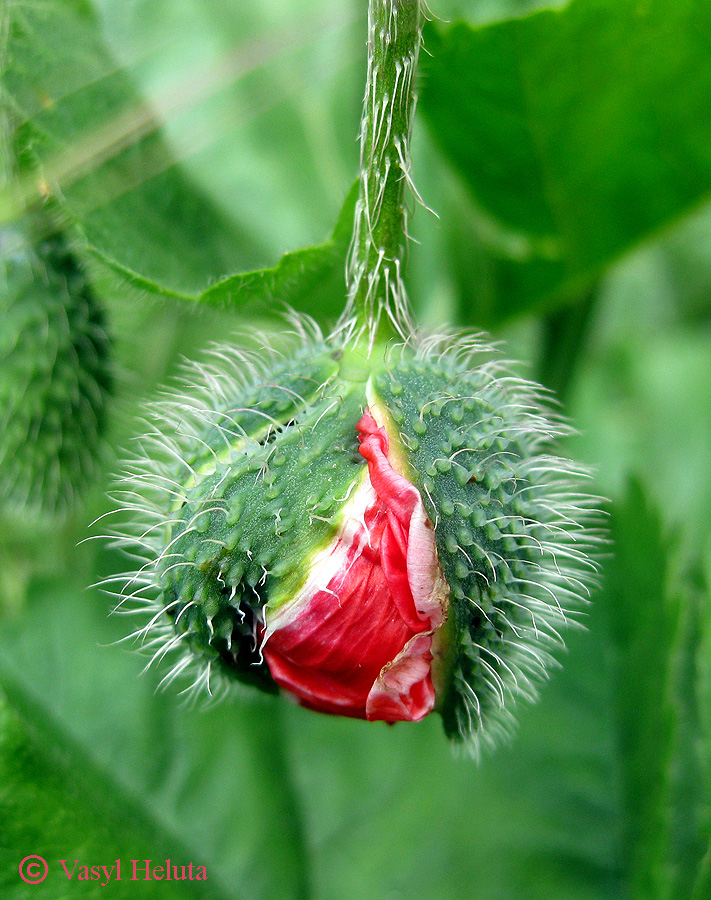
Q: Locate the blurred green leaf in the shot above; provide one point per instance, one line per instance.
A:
(477, 11)
(642, 399)
(99, 148)
(392, 812)
(378, 812)
(565, 333)
(270, 96)
(702, 886)
(53, 805)
(579, 132)
(690, 781)
(644, 616)
(207, 786)
(312, 279)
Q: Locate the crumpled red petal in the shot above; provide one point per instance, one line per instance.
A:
(357, 640)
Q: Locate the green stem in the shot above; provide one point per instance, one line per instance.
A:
(379, 243)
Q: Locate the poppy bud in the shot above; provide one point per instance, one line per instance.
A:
(377, 534)
(55, 371)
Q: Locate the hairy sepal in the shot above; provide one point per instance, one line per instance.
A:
(516, 530)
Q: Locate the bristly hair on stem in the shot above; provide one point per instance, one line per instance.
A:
(377, 303)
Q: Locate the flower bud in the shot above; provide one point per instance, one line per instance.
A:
(377, 534)
(55, 372)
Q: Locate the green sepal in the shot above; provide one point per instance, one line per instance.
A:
(274, 474)
(472, 442)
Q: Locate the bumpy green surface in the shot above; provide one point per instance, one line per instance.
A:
(55, 372)
(273, 473)
(473, 446)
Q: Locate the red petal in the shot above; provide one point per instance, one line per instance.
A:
(357, 639)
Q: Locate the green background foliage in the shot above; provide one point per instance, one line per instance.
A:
(567, 150)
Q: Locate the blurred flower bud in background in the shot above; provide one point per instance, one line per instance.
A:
(56, 371)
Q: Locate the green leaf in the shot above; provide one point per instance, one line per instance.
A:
(49, 809)
(96, 146)
(644, 615)
(489, 10)
(207, 786)
(311, 279)
(691, 777)
(579, 132)
(83, 122)
(565, 333)
(392, 812)
(642, 395)
(702, 886)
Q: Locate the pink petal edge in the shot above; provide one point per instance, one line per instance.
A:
(404, 690)
(377, 589)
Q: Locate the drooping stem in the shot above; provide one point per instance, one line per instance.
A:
(377, 303)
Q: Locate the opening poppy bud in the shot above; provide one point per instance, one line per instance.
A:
(377, 534)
